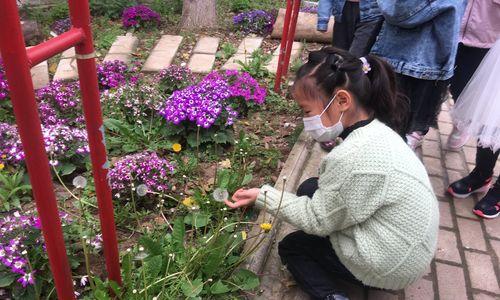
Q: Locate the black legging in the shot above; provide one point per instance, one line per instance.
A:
(311, 259)
(485, 163)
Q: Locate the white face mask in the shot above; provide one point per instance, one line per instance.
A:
(318, 131)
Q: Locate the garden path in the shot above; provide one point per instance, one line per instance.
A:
(466, 265)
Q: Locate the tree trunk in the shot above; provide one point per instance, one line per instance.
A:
(198, 14)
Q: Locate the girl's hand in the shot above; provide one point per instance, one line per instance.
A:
(243, 197)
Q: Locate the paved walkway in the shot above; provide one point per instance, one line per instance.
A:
(466, 265)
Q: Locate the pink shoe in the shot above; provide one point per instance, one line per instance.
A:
(415, 139)
(457, 139)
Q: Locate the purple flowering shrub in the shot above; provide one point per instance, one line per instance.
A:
(23, 261)
(174, 78)
(4, 87)
(59, 103)
(213, 104)
(254, 21)
(141, 168)
(62, 143)
(61, 26)
(112, 74)
(139, 16)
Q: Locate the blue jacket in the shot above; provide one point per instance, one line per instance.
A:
(368, 10)
(419, 38)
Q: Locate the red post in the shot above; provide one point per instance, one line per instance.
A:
(28, 122)
(289, 26)
(85, 55)
(291, 36)
(283, 45)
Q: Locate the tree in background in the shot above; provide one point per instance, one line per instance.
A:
(198, 14)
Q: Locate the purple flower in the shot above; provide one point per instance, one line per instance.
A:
(4, 87)
(254, 21)
(141, 168)
(61, 26)
(139, 15)
(112, 74)
(59, 103)
(27, 279)
(215, 98)
(174, 78)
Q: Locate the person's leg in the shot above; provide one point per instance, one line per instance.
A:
(308, 187)
(479, 179)
(313, 263)
(344, 28)
(364, 37)
(466, 63)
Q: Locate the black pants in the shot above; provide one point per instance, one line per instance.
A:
(466, 63)
(311, 259)
(353, 35)
(485, 163)
(425, 98)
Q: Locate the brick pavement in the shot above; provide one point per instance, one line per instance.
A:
(468, 255)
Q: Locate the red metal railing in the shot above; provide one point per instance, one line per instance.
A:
(18, 61)
(289, 27)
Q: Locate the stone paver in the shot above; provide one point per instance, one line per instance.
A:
(66, 69)
(445, 215)
(249, 45)
(245, 49)
(447, 247)
(273, 64)
(438, 185)
(201, 63)
(451, 282)
(420, 290)
(493, 227)
(453, 160)
(482, 274)
(471, 234)
(431, 148)
(163, 53)
(463, 207)
(484, 297)
(433, 166)
(40, 75)
(207, 45)
(203, 58)
(122, 48)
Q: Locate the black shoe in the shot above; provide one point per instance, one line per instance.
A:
(327, 146)
(489, 206)
(337, 296)
(469, 185)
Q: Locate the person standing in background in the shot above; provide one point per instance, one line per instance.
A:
(479, 31)
(420, 40)
(357, 23)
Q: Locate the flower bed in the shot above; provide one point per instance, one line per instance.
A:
(254, 21)
(140, 16)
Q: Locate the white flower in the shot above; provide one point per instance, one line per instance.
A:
(84, 280)
(220, 194)
(134, 291)
(80, 182)
(141, 248)
(142, 190)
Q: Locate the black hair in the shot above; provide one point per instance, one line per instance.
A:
(375, 91)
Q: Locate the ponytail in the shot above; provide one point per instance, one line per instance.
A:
(374, 88)
(388, 104)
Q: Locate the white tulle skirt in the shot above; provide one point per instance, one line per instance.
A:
(477, 111)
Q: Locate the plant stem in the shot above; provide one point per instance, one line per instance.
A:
(134, 207)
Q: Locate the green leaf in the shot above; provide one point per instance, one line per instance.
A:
(215, 258)
(127, 269)
(153, 266)
(197, 220)
(224, 177)
(192, 288)
(178, 234)
(128, 148)
(151, 246)
(245, 279)
(66, 168)
(6, 279)
(219, 288)
(247, 179)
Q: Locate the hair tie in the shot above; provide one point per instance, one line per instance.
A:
(366, 66)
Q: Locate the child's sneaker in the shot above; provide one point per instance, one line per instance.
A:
(469, 185)
(457, 139)
(489, 206)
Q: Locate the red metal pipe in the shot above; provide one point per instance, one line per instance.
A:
(28, 122)
(291, 36)
(283, 46)
(47, 49)
(80, 18)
